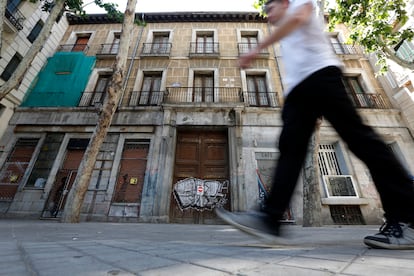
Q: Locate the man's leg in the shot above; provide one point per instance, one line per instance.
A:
(299, 119)
(391, 179)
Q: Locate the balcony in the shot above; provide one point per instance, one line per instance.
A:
(368, 100)
(14, 16)
(207, 49)
(347, 50)
(156, 50)
(177, 95)
(73, 48)
(146, 98)
(108, 50)
(244, 48)
(262, 99)
(92, 98)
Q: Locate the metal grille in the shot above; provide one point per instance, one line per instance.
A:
(346, 214)
(328, 162)
(340, 185)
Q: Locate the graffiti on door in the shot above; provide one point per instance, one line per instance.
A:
(200, 194)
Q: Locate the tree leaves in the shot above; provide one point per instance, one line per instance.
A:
(376, 25)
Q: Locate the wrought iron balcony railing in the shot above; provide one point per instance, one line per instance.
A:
(156, 49)
(203, 95)
(206, 49)
(262, 99)
(108, 49)
(146, 98)
(346, 49)
(15, 17)
(73, 48)
(369, 100)
(92, 98)
(246, 47)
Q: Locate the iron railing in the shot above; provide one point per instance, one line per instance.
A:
(156, 49)
(206, 49)
(246, 47)
(15, 17)
(203, 95)
(146, 98)
(347, 49)
(73, 48)
(92, 98)
(368, 100)
(261, 99)
(108, 49)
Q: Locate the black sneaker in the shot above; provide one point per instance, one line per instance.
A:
(392, 236)
(254, 223)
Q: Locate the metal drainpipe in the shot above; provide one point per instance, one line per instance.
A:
(277, 60)
(134, 53)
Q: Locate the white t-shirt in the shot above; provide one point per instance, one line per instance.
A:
(306, 50)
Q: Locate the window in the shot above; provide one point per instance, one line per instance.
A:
(205, 43)
(11, 67)
(81, 43)
(405, 50)
(45, 160)
(12, 5)
(100, 88)
(2, 109)
(160, 44)
(15, 167)
(257, 90)
(115, 44)
(203, 88)
(35, 31)
(337, 45)
(353, 86)
(336, 183)
(248, 41)
(151, 86)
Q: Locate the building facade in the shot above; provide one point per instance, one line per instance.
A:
(23, 22)
(192, 130)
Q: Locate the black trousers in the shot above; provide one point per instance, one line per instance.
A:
(323, 94)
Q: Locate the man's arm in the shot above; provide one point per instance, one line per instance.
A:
(286, 26)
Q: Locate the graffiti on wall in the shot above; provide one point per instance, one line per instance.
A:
(200, 194)
(266, 165)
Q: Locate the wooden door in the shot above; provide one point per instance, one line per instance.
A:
(132, 172)
(63, 183)
(201, 154)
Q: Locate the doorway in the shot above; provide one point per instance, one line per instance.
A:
(200, 154)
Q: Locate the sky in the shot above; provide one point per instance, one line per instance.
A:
(180, 5)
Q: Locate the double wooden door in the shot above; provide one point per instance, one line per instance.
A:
(201, 154)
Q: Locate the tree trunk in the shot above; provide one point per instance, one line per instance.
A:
(312, 208)
(3, 5)
(77, 194)
(37, 45)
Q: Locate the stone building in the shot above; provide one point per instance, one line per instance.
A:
(192, 130)
(23, 22)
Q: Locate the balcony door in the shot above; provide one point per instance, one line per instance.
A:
(203, 90)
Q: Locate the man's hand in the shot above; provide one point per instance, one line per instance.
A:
(246, 59)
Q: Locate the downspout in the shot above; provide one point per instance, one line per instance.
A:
(134, 54)
(277, 61)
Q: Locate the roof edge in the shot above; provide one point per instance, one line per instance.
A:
(172, 17)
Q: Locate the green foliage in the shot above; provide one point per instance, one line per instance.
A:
(76, 7)
(373, 24)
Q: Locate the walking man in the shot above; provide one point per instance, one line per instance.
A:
(314, 88)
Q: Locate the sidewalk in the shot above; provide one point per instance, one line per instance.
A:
(51, 248)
